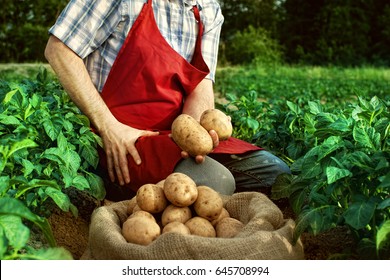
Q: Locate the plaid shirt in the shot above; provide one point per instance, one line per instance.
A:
(96, 30)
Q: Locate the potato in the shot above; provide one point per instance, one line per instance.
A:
(140, 231)
(151, 198)
(136, 208)
(160, 183)
(180, 189)
(130, 205)
(201, 227)
(177, 227)
(173, 213)
(190, 136)
(214, 119)
(209, 203)
(224, 214)
(142, 214)
(228, 227)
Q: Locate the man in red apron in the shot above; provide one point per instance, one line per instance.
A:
(148, 84)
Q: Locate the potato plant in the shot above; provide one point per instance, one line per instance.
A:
(339, 155)
(46, 150)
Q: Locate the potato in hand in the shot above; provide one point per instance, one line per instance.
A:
(190, 136)
(214, 119)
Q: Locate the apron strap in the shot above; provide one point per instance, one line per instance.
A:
(197, 59)
(197, 17)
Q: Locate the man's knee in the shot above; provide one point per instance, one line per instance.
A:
(209, 173)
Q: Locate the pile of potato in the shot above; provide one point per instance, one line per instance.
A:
(177, 204)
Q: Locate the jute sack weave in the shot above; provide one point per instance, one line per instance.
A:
(266, 235)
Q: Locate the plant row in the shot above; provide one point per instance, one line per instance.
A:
(47, 150)
(339, 155)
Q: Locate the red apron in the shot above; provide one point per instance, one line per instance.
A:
(145, 90)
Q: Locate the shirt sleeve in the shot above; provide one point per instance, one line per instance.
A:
(213, 20)
(84, 25)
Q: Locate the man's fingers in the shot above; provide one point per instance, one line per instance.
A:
(199, 159)
(184, 154)
(149, 133)
(118, 168)
(110, 167)
(117, 165)
(132, 150)
(214, 137)
(124, 168)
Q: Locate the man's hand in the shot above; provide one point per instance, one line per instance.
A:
(201, 158)
(119, 141)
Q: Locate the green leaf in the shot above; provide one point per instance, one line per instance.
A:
(9, 120)
(311, 168)
(281, 187)
(4, 184)
(359, 214)
(49, 254)
(298, 200)
(28, 111)
(383, 238)
(72, 160)
(50, 129)
(9, 96)
(376, 104)
(36, 183)
(12, 206)
(80, 182)
(334, 174)
(67, 125)
(315, 220)
(385, 182)
(25, 143)
(44, 183)
(35, 101)
(360, 159)
(60, 198)
(90, 154)
(384, 204)
(367, 137)
(310, 123)
(330, 145)
(96, 185)
(15, 231)
(341, 125)
(28, 167)
(62, 142)
(366, 248)
(325, 119)
(84, 120)
(54, 154)
(253, 124)
(3, 243)
(315, 107)
(67, 176)
(294, 107)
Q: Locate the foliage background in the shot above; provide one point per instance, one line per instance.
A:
(307, 109)
(321, 32)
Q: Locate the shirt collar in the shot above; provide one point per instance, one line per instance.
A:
(190, 2)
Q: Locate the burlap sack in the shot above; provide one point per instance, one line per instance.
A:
(266, 235)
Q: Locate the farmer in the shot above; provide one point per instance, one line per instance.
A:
(132, 67)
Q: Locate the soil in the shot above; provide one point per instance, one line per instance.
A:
(71, 233)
